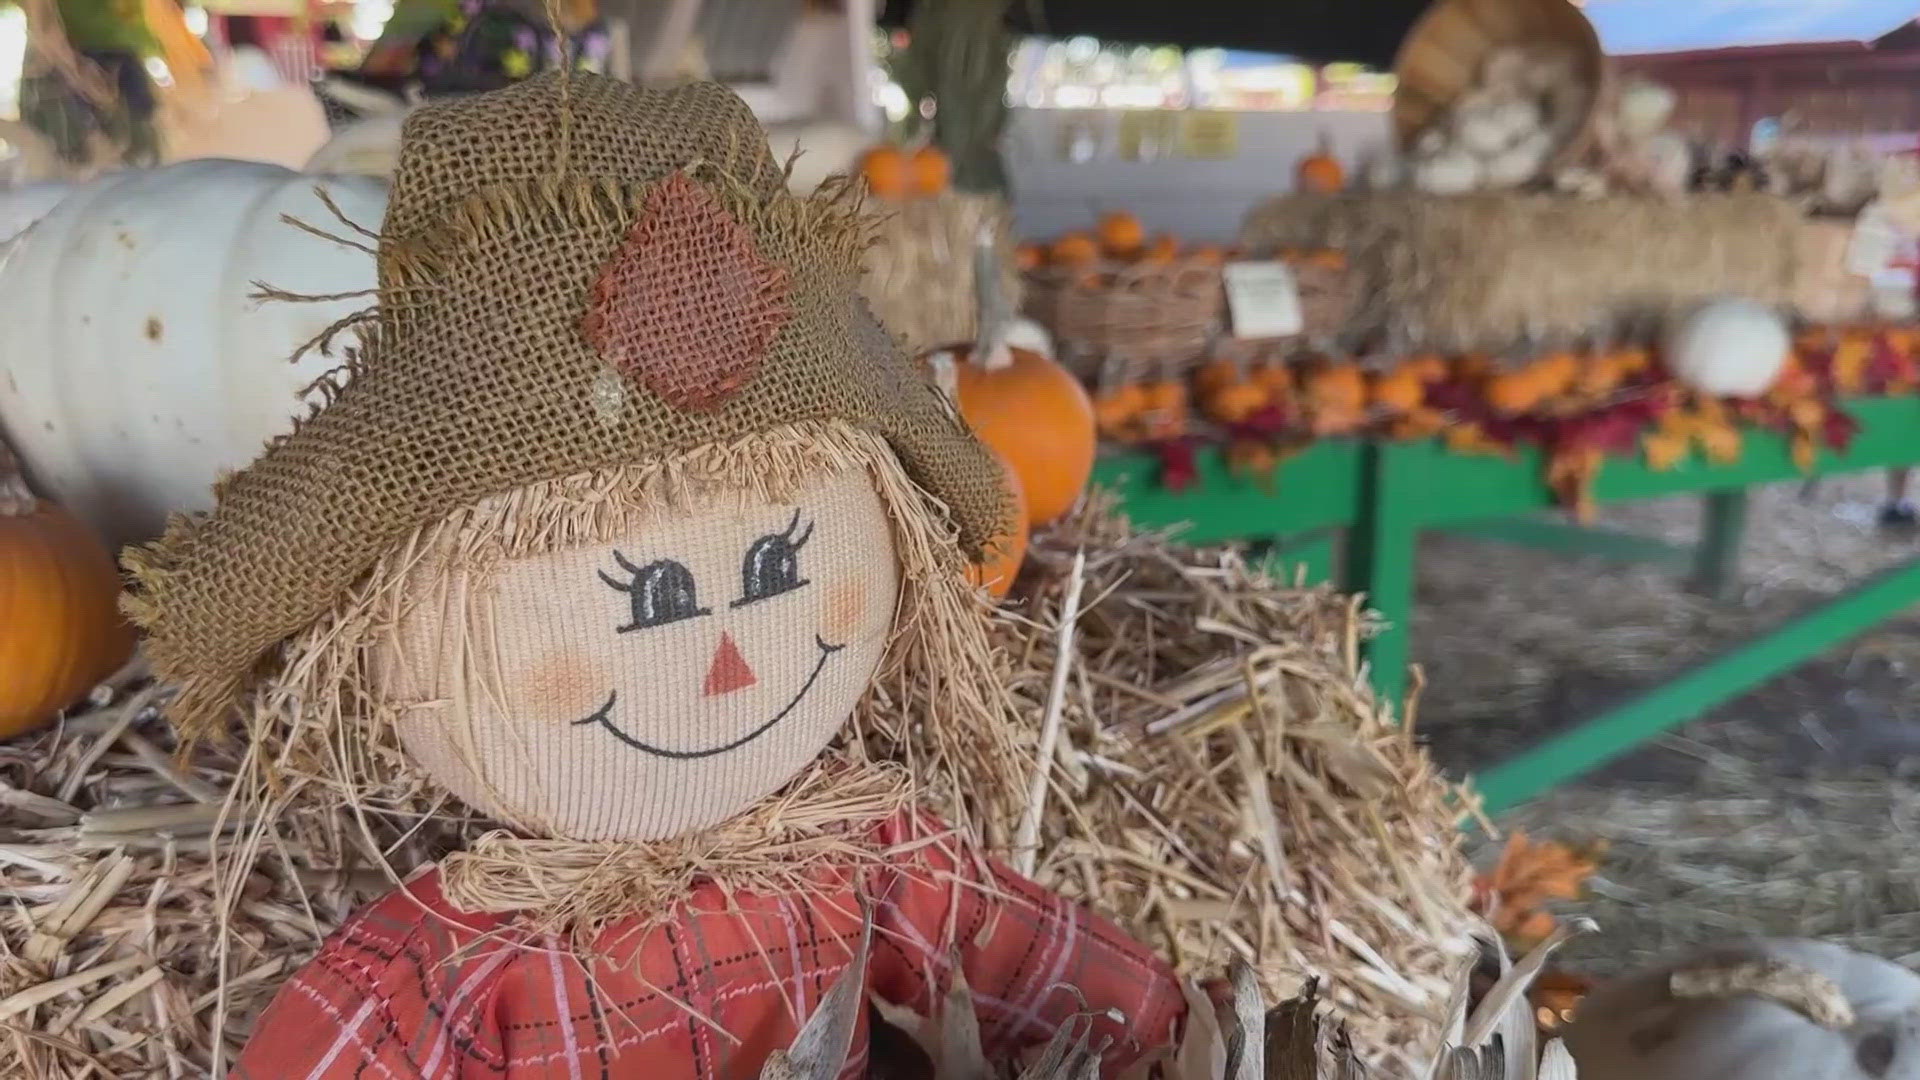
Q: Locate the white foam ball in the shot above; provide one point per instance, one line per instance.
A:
(1728, 348)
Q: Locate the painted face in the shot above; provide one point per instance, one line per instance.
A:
(654, 683)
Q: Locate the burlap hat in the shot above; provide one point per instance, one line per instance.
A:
(574, 274)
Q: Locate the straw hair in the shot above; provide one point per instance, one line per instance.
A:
(318, 734)
(661, 293)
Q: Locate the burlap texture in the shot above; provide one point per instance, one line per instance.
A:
(477, 376)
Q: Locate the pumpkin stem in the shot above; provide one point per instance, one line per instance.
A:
(16, 499)
(989, 305)
(1806, 992)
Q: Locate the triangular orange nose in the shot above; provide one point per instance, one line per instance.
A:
(728, 671)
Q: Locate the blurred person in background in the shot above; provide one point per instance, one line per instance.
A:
(86, 77)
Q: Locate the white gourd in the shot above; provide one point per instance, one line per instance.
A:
(1452, 171)
(134, 368)
(1787, 1009)
(1728, 348)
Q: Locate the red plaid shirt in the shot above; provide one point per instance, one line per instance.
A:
(399, 993)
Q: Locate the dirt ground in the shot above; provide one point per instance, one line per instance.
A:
(1790, 811)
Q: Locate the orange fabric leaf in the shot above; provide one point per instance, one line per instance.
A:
(1664, 451)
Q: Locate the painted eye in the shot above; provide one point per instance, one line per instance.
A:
(661, 592)
(772, 564)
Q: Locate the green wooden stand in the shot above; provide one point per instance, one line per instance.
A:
(1382, 496)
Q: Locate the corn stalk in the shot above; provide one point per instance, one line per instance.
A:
(957, 57)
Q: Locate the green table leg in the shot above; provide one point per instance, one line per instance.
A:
(1698, 689)
(1716, 561)
(1380, 552)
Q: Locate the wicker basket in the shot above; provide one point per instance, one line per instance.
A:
(1441, 56)
(1156, 315)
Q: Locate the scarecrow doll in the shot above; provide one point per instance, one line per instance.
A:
(628, 529)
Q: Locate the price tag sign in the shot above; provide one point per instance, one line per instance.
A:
(1263, 300)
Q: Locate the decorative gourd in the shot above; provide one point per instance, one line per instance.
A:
(931, 170)
(1121, 234)
(134, 368)
(998, 568)
(61, 632)
(1320, 172)
(885, 170)
(1728, 348)
(1787, 1008)
(1039, 418)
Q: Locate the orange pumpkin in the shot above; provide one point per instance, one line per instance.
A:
(61, 632)
(1029, 256)
(1166, 396)
(1430, 367)
(1277, 379)
(1556, 373)
(1399, 391)
(1121, 234)
(1117, 409)
(929, 172)
(999, 565)
(1515, 392)
(885, 169)
(1207, 254)
(1320, 172)
(1235, 402)
(1162, 251)
(1075, 249)
(1038, 417)
(1340, 389)
(1214, 374)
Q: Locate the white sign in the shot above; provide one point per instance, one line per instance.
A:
(1263, 300)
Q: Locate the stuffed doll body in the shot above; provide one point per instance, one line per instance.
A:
(629, 531)
(710, 994)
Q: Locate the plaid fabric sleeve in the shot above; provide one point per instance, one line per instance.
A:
(392, 995)
(1033, 959)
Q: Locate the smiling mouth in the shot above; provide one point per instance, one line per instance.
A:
(603, 717)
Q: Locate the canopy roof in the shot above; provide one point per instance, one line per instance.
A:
(1646, 27)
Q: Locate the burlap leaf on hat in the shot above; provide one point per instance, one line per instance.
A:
(476, 377)
(686, 306)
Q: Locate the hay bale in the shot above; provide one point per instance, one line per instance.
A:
(920, 267)
(1192, 681)
(1494, 271)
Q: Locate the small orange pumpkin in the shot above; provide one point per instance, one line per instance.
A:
(885, 170)
(1029, 256)
(1121, 234)
(1038, 417)
(1513, 392)
(1075, 249)
(1339, 389)
(929, 171)
(1166, 396)
(1277, 378)
(1236, 401)
(1116, 410)
(1398, 391)
(1214, 374)
(1207, 254)
(999, 565)
(62, 631)
(1162, 251)
(1320, 172)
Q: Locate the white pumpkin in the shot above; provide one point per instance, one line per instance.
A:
(1791, 1009)
(133, 366)
(22, 206)
(366, 147)
(1728, 348)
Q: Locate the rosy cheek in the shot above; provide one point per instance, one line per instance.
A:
(568, 682)
(845, 610)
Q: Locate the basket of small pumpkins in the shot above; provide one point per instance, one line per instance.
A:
(1116, 293)
(919, 270)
